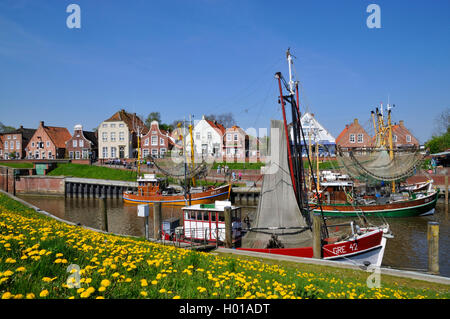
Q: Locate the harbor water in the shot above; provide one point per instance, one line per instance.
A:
(408, 249)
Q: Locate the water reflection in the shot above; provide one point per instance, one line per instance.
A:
(408, 250)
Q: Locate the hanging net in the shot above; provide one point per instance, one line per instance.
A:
(376, 164)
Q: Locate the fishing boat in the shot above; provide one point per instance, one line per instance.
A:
(152, 189)
(379, 171)
(284, 222)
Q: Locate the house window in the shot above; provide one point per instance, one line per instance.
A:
(121, 125)
(17, 145)
(50, 154)
(77, 155)
(197, 135)
(146, 141)
(161, 141)
(162, 151)
(81, 143)
(209, 136)
(104, 125)
(113, 152)
(154, 140)
(14, 137)
(9, 137)
(32, 144)
(105, 137)
(154, 151)
(235, 137)
(113, 136)
(70, 154)
(394, 138)
(154, 132)
(48, 144)
(360, 138)
(228, 151)
(105, 152)
(113, 125)
(352, 138)
(408, 138)
(228, 137)
(121, 135)
(145, 152)
(6, 145)
(74, 142)
(36, 155)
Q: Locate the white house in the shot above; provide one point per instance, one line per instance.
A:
(208, 138)
(313, 130)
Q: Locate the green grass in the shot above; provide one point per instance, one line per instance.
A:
(17, 165)
(92, 171)
(234, 166)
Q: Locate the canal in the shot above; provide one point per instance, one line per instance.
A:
(407, 250)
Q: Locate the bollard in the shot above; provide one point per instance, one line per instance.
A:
(228, 233)
(446, 190)
(317, 240)
(157, 214)
(433, 247)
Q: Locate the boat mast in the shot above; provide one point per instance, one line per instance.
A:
(192, 148)
(391, 146)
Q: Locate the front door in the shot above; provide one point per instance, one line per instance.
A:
(121, 151)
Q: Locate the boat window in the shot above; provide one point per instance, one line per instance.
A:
(186, 215)
(199, 216)
(206, 216)
(213, 216)
(221, 218)
(191, 215)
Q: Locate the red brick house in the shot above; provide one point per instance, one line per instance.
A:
(82, 145)
(235, 144)
(1, 146)
(14, 143)
(156, 142)
(48, 142)
(402, 137)
(354, 136)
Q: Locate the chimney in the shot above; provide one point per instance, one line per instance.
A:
(355, 121)
(401, 123)
(312, 114)
(41, 123)
(21, 127)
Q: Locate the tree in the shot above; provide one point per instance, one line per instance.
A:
(153, 116)
(6, 129)
(226, 119)
(439, 143)
(442, 122)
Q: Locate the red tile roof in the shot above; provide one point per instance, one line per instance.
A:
(132, 120)
(58, 135)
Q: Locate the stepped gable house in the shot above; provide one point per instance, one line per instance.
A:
(156, 142)
(15, 142)
(236, 143)
(117, 136)
(402, 137)
(83, 144)
(354, 136)
(48, 142)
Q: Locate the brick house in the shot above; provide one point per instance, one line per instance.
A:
(402, 137)
(83, 144)
(1, 146)
(354, 136)
(156, 142)
(15, 142)
(235, 144)
(48, 142)
(117, 136)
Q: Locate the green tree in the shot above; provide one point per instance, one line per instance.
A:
(439, 143)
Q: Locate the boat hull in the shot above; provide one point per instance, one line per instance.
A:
(206, 197)
(417, 207)
(365, 248)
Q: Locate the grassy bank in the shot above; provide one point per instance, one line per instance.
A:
(17, 164)
(36, 251)
(92, 171)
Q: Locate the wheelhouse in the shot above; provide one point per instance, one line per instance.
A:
(207, 221)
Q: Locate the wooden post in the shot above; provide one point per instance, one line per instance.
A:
(228, 230)
(446, 191)
(104, 211)
(157, 214)
(317, 240)
(433, 247)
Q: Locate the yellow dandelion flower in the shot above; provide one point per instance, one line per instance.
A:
(6, 295)
(144, 283)
(30, 296)
(44, 293)
(144, 293)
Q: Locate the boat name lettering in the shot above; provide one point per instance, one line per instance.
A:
(339, 250)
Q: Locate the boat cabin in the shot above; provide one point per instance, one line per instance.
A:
(207, 221)
(149, 184)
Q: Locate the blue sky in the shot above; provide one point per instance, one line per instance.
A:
(215, 56)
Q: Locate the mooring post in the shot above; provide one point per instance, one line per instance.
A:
(228, 233)
(433, 247)
(104, 211)
(157, 214)
(446, 192)
(317, 240)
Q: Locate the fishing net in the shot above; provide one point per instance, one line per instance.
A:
(278, 213)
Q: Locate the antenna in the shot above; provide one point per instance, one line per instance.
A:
(291, 82)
